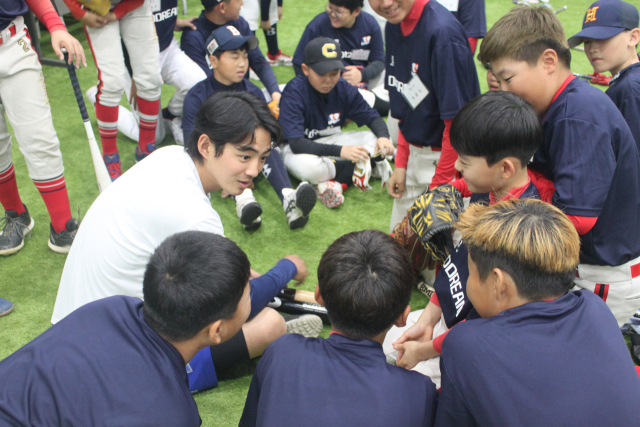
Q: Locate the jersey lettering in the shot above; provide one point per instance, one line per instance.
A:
(393, 82)
(165, 14)
(454, 284)
(234, 30)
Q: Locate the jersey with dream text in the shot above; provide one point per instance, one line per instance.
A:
(590, 155)
(10, 10)
(624, 91)
(165, 15)
(471, 14)
(437, 53)
(304, 115)
(361, 44)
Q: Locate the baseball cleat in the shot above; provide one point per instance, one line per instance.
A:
(298, 204)
(382, 170)
(112, 161)
(61, 242)
(175, 128)
(330, 194)
(248, 210)
(253, 75)
(307, 325)
(362, 174)
(151, 147)
(6, 307)
(279, 59)
(16, 227)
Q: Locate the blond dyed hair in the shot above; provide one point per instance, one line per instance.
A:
(531, 240)
(523, 34)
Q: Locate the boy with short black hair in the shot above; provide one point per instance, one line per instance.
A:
(364, 280)
(228, 55)
(588, 151)
(314, 108)
(610, 34)
(540, 355)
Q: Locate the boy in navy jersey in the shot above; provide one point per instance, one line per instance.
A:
(314, 108)
(228, 52)
(610, 34)
(588, 151)
(365, 280)
(362, 46)
(540, 355)
(472, 16)
(495, 135)
(430, 75)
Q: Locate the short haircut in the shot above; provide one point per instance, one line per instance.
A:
(232, 118)
(523, 34)
(209, 5)
(532, 241)
(244, 48)
(365, 279)
(193, 279)
(352, 5)
(496, 125)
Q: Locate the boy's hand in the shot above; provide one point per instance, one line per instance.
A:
(279, 12)
(412, 352)
(384, 146)
(110, 17)
(396, 184)
(352, 75)
(61, 39)
(354, 153)
(301, 267)
(181, 24)
(93, 20)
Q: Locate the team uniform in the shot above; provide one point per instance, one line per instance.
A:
(472, 16)
(23, 96)
(430, 76)
(552, 363)
(337, 381)
(103, 365)
(590, 155)
(624, 91)
(254, 11)
(312, 124)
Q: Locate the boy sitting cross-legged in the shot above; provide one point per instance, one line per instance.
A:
(364, 280)
(540, 355)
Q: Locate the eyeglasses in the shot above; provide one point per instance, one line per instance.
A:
(337, 13)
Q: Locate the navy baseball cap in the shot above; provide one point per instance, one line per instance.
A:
(210, 3)
(228, 37)
(606, 19)
(323, 54)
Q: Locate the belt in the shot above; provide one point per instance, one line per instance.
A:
(12, 31)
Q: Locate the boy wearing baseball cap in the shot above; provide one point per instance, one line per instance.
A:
(610, 35)
(228, 53)
(313, 109)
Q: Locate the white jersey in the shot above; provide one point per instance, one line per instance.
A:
(250, 11)
(158, 197)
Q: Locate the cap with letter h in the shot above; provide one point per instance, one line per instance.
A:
(323, 54)
(228, 37)
(605, 19)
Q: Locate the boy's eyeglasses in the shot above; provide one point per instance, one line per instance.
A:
(337, 13)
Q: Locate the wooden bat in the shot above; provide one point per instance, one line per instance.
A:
(102, 175)
(294, 307)
(297, 295)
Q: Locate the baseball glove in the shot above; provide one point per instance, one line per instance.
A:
(410, 241)
(101, 7)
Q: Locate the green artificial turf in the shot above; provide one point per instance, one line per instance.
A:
(30, 278)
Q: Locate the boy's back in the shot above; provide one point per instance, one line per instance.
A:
(624, 91)
(337, 381)
(551, 363)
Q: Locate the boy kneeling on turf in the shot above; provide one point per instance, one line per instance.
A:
(540, 355)
(364, 280)
(313, 109)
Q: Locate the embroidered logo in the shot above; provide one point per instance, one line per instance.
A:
(329, 50)
(414, 68)
(234, 30)
(365, 40)
(591, 14)
(334, 118)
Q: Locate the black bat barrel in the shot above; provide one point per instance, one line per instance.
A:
(295, 307)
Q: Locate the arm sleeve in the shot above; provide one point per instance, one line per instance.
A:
(46, 13)
(267, 286)
(582, 224)
(263, 70)
(473, 42)
(298, 56)
(76, 8)
(292, 108)
(126, 6)
(437, 341)
(372, 70)
(377, 45)
(250, 413)
(190, 109)
(193, 46)
(306, 146)
(297, 69)
(264, 9)
(445, 170)
(402, 154)
(452, 408)
(379, 127)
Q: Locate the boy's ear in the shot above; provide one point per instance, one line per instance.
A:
(509, 167)
(305, 69)
(316, 294)
(214, 332)
(499, 284)
(549, 60)
(401, 321)
(634, 37)
(214, 61)
(357, 12)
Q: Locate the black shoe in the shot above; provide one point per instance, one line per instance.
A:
(61, 242)
(16, 227)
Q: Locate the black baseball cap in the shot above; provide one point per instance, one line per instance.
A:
(228, 37)
(605, 19)
(210, 3)
(323, 54)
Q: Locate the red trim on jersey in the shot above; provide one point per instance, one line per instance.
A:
(75, 8)
(45, 12)
(402, 154)
(638, 370)
(473, 42)
(445, 170)
(543, 184)
(583, 224)
(602, 291)
(563, 87)
(434, 299)
(635, 271)
(95, 59)
(439, 340)
(410, 21)
(126, 6)
(27, 35)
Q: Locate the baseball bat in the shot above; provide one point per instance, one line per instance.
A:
(583, 76)
(293, 307)
(297, 295)
(102, 175)
(563, 8)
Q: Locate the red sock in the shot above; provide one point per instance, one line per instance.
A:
(9, 196)
(108, 127)
(148, 120)
(54, 194)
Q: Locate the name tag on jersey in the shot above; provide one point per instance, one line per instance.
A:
(360, 54)
(452, 5)
(155, 5)
(415, 92)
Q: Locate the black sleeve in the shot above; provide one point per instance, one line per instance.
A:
(279, 3)
(372, 70)
(298, 69)
(379, 127)
(306, 146)
(264, 9)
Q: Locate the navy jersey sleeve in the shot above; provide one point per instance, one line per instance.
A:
(192, 44)
(357, 108)
(292, 108)
(452, 408)
(309, 34)
(472, 16)
(629, 105)
(377, 44)
(251, 88)
(191, 106)
(257, 61)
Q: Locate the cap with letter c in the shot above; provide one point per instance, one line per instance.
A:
(605, 19)
(323, 54)
(228, 37)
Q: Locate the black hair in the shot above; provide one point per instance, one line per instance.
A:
(352, 5)
(244, 48)
(209, 5)
(365, 279)
(193, 279)
(496, 125)
(232, 118)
